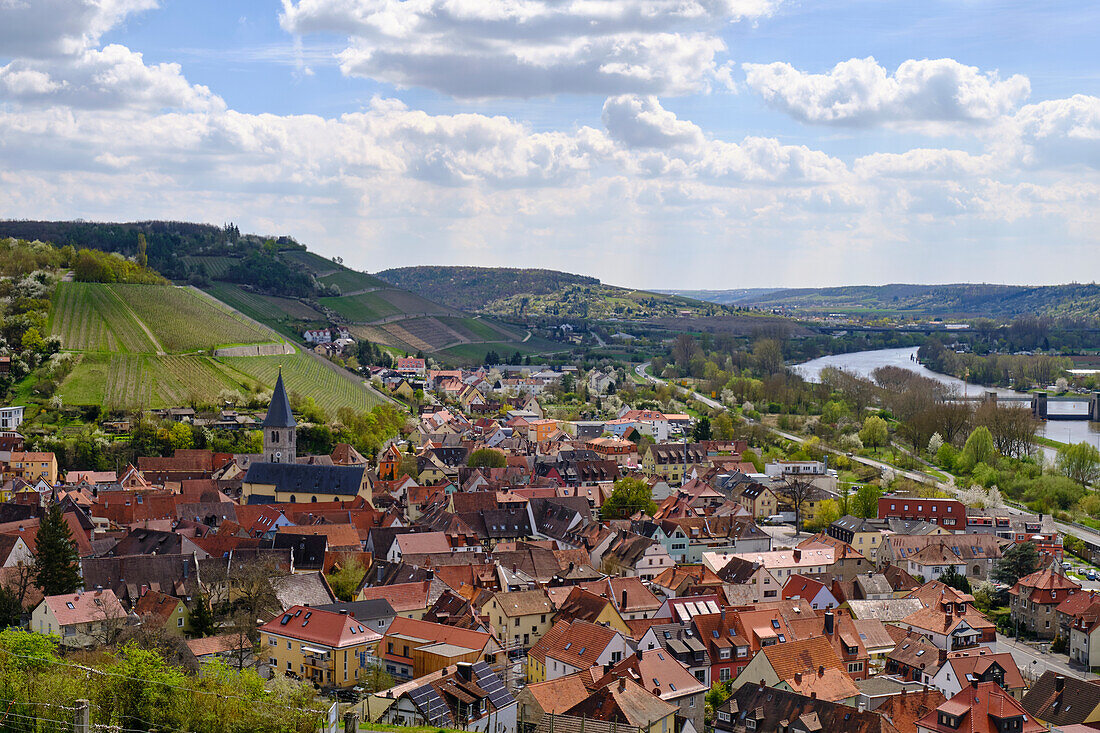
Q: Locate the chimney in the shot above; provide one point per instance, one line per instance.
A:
(430, 574)
(829, 623)
(798, 678)
(622, 684)
(797, 555)
(974, 683)
(622, 605)
(343, 612)
(821, 671)
(813, 695)
(1059, 683)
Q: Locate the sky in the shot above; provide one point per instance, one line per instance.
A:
(650, 143)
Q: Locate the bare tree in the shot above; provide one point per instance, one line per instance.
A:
(109, 621)
(797, 490)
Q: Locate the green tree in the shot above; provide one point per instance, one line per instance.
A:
(845, 493)
(32, 341)
(865, 501)
(55, 555)
(1016, 562)
(180, 436)
(142, 255)
(376, 679)
(827, 512)
(487, 458)
(701, 429)
(751, 456)
(11, 610)
(345, 581)
(629, 495)
(875, 432)
(979, 447)
(955, 580)
(143, 692)
(833, 412)
(723, 426)
(202, 618)
(1080, 462)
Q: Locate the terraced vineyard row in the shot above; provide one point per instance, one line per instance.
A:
(130, 381)
(91, 317)
(182, 321)
(307, 375)
(215, 267)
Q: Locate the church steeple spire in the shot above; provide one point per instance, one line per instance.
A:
(280, 439)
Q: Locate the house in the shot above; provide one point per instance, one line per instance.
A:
(626, 702)
(412, 648)
(229, 647)
(389, 463)
(784, 563)
(683, 643)
(554, 697)
(585, 606)
(947, 513)
(1034, 597)
(813, 591)
(631, 598)
(83, 619)
(376, 614)
(962, 668)
(840, 630)
(671, 461)
(863, 534)
(32, 466)
(756, 708)
(411, 366)
(291, 483)
(1084, 635)
(806, 666)
(934, 560)
(759, 500)
(982, 707)
(466, 696)
(519, 618)
(573, 646)
(633, 555)
(11, 417)
(979, 552)
(326, 648)
(1062, 700)
(950, 626)
(161, 610)
(914, 657)
(665, 677)
(408, 600)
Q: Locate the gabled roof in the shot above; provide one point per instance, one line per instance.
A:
(974, 662)
(658, 672)
(325, 628)
(297, 478)
(623, 702)
(85, 607)
(1076, 702)
(980, 708)
(811, 666)
(577, 643)
(769, 707)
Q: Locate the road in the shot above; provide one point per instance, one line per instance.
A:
(1028, 658)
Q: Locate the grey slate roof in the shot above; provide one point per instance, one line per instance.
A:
(305, 479)
(279, 414)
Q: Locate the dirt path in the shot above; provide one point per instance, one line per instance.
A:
(138, 321)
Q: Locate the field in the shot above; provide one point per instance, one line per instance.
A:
(414, 304)
(478, 329)
(349, 281)
(475, 353)
(128, 381)
(304, 374)
(362, 308)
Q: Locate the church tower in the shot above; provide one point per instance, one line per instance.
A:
(280, 440)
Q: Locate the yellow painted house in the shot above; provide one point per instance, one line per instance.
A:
(326, 648)
(519, 618)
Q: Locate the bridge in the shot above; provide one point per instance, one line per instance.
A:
(1041, 403)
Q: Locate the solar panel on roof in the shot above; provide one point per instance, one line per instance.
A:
(712, 607)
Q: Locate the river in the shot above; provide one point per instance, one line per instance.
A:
(864, 363)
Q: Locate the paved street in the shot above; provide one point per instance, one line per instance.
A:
(1033, 663)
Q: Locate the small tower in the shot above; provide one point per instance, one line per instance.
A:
(280, 440)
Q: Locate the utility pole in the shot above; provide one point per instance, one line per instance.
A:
(82, 717)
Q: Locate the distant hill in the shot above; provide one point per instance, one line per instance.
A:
(734, 296)
(530, 293)
(278, 282)
(961, 300)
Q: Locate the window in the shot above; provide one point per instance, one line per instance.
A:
(724, 674)
(723, 653)
(750, 724)
(516, 623)
(723, 717)
(288, 644)
(855, 666)
(179, 622)
(691, 701)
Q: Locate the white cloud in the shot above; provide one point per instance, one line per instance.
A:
(112, 77)
(925, 163)
(528, 48)
(45, 28)
(861, 92)
(1059, 132)
(641, 122)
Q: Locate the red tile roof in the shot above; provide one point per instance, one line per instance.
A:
(323, 628)
(85, 607)
(979, 709)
